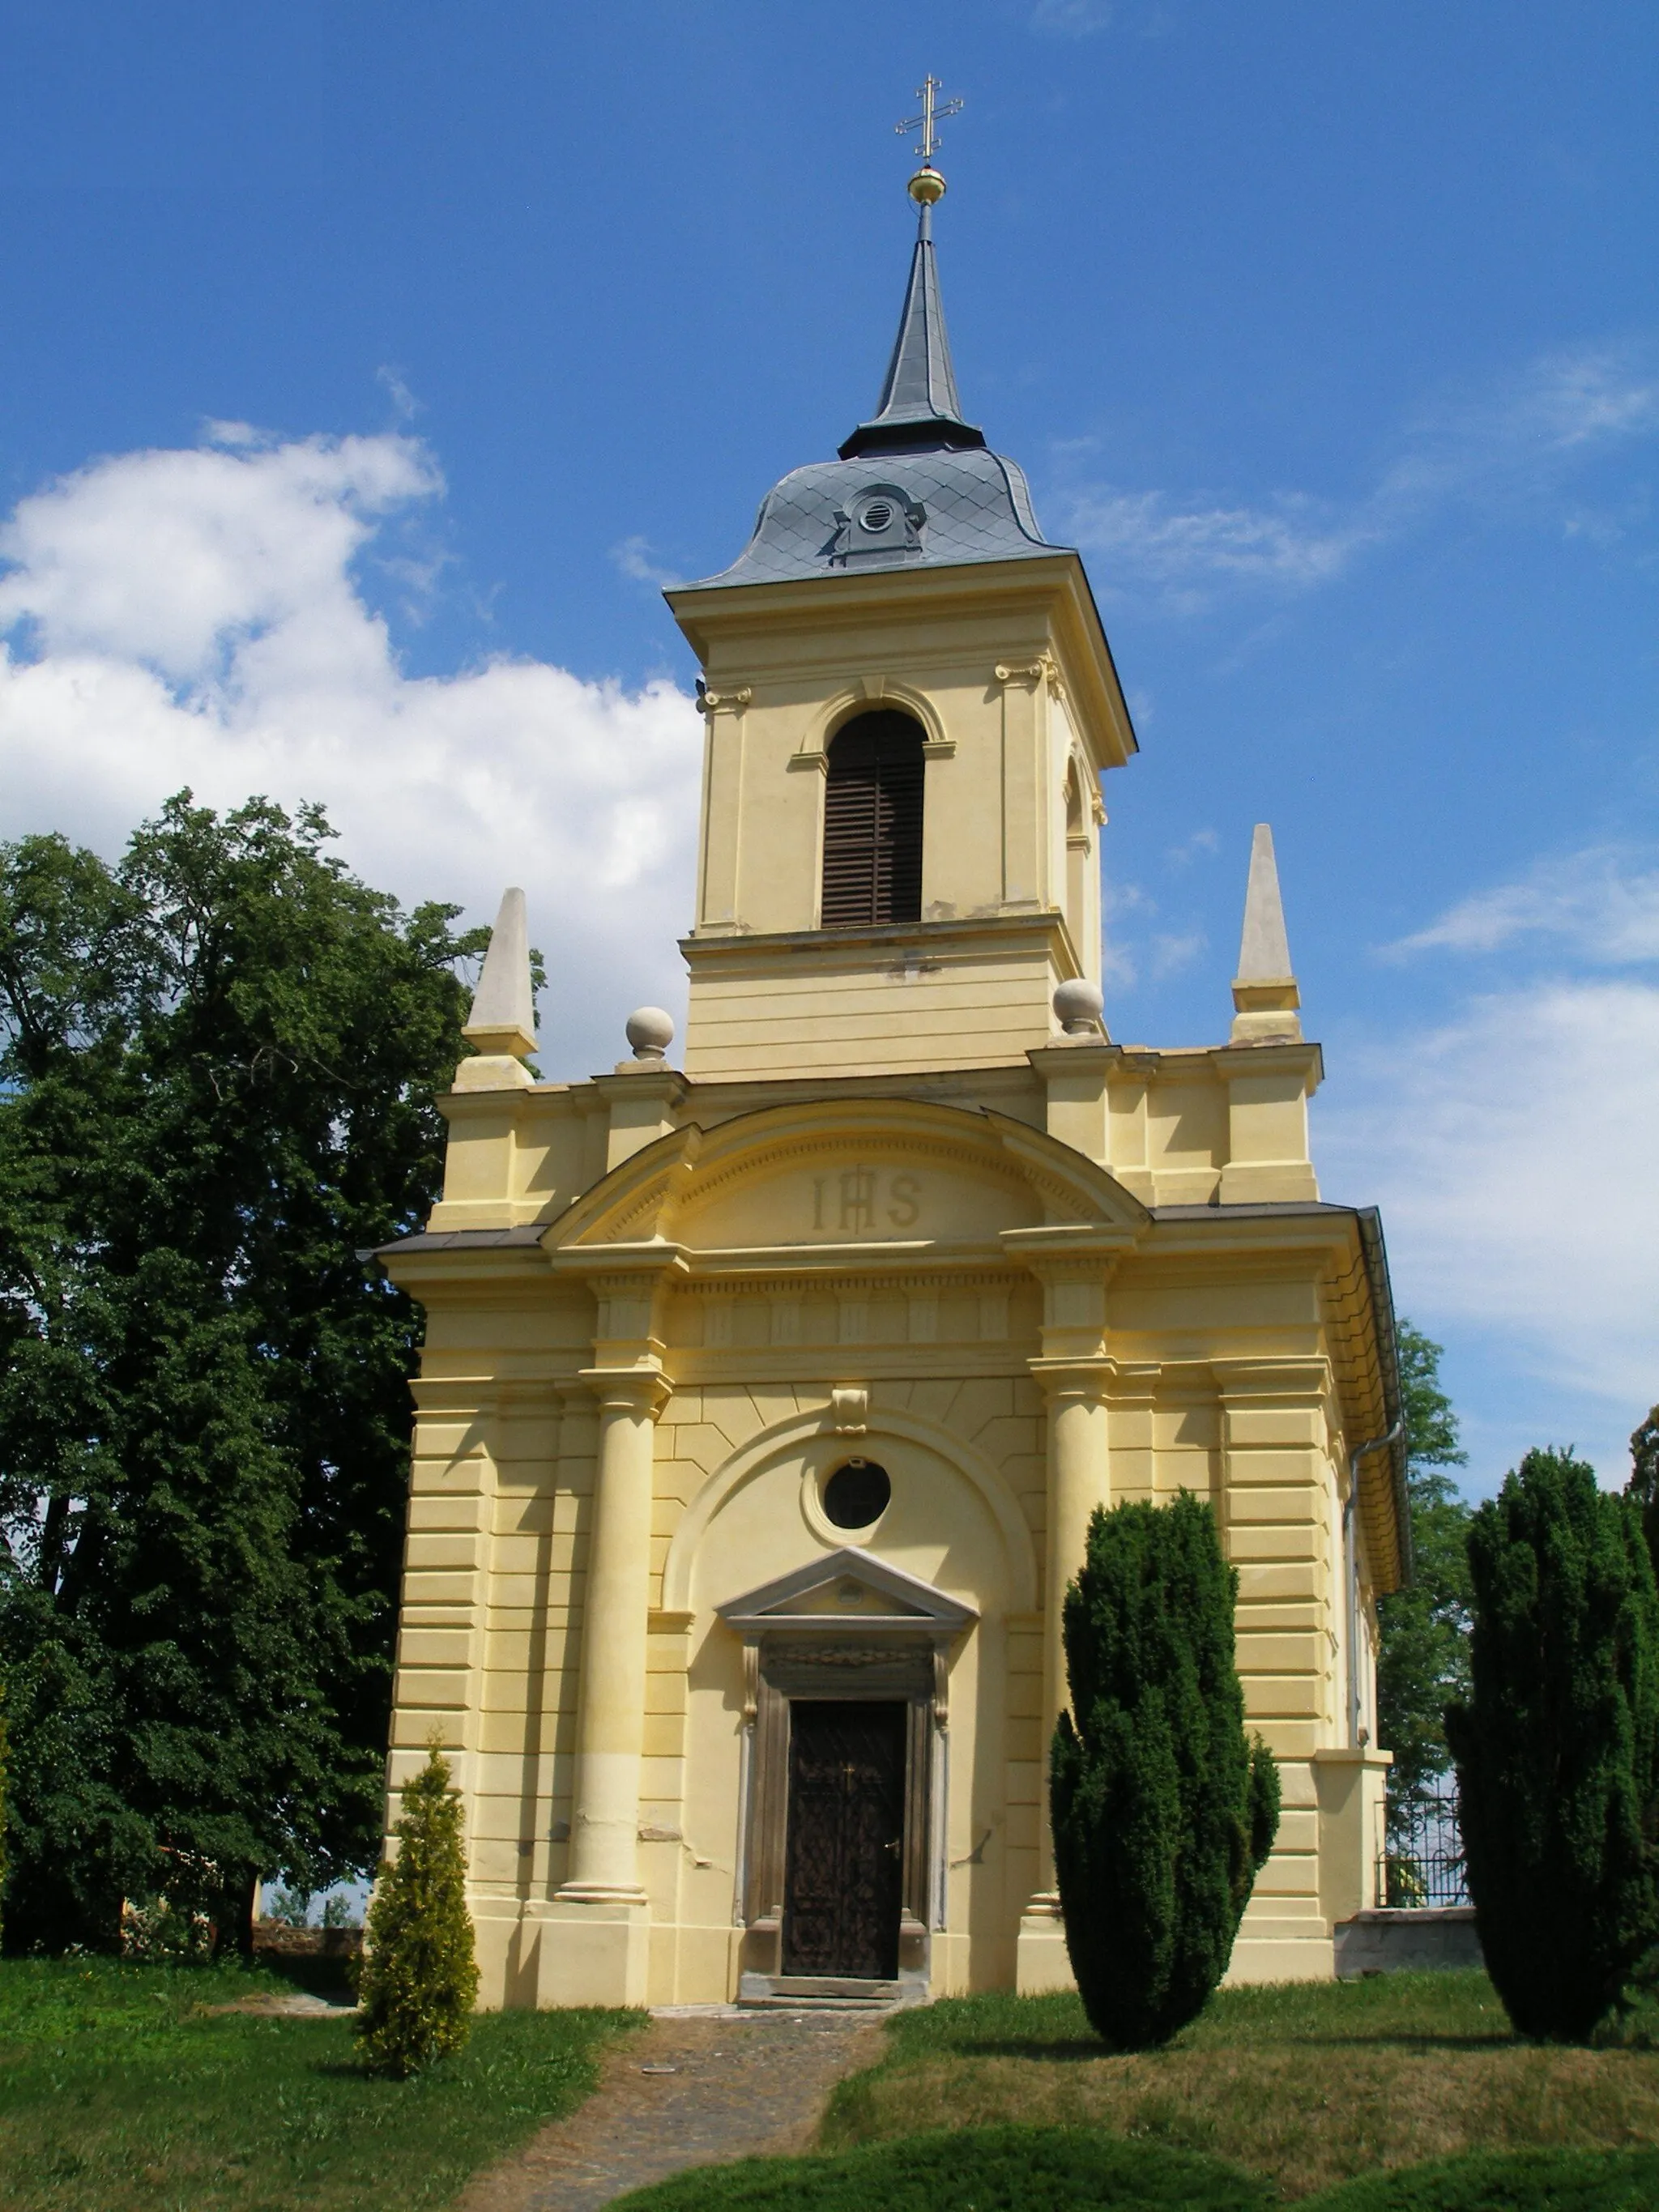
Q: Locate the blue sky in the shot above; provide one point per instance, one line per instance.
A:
(367, 367)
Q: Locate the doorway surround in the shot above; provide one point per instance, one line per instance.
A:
(846, 1627)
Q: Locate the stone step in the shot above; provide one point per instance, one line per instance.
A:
(819, 1992)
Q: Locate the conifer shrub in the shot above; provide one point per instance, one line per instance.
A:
(419, 1978)
(1164, 1810)
(1557, 1746)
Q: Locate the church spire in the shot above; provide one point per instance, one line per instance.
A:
(918, 410)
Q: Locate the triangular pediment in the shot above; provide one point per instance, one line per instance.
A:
(848, 1589)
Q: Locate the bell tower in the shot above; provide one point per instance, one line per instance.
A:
(908, 703)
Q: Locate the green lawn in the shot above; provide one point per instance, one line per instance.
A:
(122, 2090)
(1030, 2169)
(1403, 2093)
(1306, 2085)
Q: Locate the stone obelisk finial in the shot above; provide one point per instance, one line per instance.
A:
(502, 1022)
(1265, 995)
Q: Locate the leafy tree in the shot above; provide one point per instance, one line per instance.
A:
(217, 1068)
(1164, 1810)
(1557, 1745)
(1423, 1662)
(2, 1807)
(1643, 1488)
(419, 1979)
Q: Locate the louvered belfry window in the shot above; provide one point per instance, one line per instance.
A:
(873, 822)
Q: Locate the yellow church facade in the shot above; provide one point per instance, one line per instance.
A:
(768, 1387)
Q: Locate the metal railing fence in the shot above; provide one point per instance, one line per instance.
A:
(1422, 1861)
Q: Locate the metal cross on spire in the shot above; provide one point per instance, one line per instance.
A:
(934, 113)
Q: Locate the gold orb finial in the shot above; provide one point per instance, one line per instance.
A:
(927, 187)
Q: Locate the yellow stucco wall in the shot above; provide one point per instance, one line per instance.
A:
(1223, 1350)
(884, 1207)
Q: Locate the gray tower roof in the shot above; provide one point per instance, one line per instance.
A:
(916, 485)
(919, 409)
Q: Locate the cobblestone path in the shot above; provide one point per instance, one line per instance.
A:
(741, 2085)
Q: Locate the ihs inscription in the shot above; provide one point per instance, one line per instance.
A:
(866, 1201)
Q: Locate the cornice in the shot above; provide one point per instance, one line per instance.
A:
(1044, 926)
(1056, 580)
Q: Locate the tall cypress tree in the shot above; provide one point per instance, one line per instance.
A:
(217, 1063)
(1557, 1746)
(1164, 1810)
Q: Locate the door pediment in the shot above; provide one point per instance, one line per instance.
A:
(848, 1589)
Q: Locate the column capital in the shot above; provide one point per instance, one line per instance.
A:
(635, 1389)
(1090, 1380)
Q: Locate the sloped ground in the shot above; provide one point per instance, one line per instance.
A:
(1303, 2086)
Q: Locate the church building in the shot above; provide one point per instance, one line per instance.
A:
(769, 1383)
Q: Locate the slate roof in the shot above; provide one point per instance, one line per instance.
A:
(920, 387)
(975, 507)
(944, 498)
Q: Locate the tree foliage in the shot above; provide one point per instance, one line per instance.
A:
(1423, 1663)
(1643, 1488)
(217, 1065)
(1557, 1745)
(419, 1979)
(3, 1761)
(1164, 1810)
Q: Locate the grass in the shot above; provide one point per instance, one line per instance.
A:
(992, 2170)
(122, 2089)
(1304, 2086)
(1027, 2169)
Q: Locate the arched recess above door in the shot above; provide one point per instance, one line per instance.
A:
(802, 1434)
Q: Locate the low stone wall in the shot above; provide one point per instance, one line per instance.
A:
(1419, 1938)
(306, 1942)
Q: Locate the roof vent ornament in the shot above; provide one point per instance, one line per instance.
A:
(927, 187)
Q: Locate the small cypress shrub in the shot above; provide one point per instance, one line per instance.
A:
(419, 1978)
(1164, 1810)
(1558, 1747)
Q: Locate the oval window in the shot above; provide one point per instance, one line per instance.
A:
(857, 1494)
(877, 515)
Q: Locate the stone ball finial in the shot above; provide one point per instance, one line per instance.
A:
(650, 1032)
(1079, 1008)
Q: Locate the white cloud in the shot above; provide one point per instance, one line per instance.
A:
(1513, 445)
(1204, 843)
(1601, 905)
(1555, 408)
(1072, 19)
(197, 617)
(1149, 538)
(1172, 952)
(632, 557)
(1512, 1154)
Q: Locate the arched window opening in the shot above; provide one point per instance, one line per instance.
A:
(873, 822)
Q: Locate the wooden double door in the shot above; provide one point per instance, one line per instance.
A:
(844, 1855)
